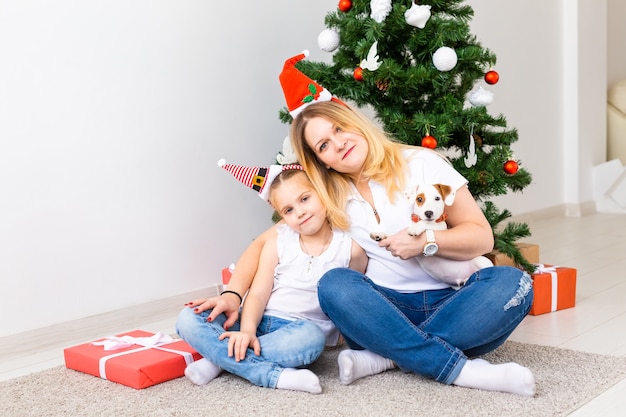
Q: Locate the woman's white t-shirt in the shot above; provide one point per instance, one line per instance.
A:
(425, 166)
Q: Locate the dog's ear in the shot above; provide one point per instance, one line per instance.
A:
(447, 193)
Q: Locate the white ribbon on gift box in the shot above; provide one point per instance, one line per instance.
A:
(542, 269)
(155, 341)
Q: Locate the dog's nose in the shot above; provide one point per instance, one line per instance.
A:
(428, 214)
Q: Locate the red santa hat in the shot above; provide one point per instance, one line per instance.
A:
(299, 89)
(257, 178)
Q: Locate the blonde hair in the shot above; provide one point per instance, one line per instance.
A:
(384, 162)
(285, 176)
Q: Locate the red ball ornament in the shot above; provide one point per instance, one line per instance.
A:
(429, 141)
(345, 5)
(510, 167)
(492, 77)
(358, 74)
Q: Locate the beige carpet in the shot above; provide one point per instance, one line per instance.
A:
(565, 381)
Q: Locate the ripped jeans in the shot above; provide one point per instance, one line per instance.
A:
(431, 333)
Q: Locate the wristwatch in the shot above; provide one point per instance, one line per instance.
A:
(430, 248)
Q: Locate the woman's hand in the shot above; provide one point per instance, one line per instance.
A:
(468, 235)
(238, 343)
(403, 245)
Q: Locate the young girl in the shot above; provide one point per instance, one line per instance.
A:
(282, 327)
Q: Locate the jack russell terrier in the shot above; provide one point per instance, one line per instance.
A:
(429, 215)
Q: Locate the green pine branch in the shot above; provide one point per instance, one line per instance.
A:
(506, 235)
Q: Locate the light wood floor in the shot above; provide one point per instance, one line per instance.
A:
(594, 244)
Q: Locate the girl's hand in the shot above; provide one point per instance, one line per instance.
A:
(239, 342)
(228, 304)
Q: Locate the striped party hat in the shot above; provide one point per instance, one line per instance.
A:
(257, 178)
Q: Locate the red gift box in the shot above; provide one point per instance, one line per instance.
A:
(148, 359)
(554, 288)
(227, 273)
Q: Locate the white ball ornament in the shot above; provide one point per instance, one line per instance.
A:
(328, 40)
(444, 58)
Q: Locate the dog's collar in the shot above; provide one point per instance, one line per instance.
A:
(415, 218)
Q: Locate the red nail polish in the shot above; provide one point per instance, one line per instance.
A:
(195, 310)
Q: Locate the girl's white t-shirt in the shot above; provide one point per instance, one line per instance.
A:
(425, 167)
(294, 295)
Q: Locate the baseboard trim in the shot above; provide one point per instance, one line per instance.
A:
(66, 334)
(567, 210)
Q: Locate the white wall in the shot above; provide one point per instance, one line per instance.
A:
(113, 115)
(527, 40)
(112, 118)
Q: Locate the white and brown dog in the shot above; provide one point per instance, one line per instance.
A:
(429, 207)
(429, 213)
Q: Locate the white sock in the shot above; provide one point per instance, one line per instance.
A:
(202, 371)
(355, 364)
(506, 377)
(299, 380)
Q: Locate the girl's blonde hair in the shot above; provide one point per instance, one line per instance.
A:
(384, 162)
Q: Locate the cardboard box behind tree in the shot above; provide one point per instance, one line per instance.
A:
(554, 289)
(530, 252)
(136, 366)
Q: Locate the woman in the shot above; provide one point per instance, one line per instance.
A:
(396, 310)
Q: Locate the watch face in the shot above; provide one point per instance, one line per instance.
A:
(430, 249)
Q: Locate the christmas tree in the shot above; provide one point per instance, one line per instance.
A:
(416, 65)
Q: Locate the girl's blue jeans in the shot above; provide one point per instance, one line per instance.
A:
(431, 333)
(284, 344)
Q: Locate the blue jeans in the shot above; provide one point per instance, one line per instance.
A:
(284, 344)
(431, 333)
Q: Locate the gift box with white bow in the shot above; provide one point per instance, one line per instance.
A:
(554, 288)
(137, 359)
